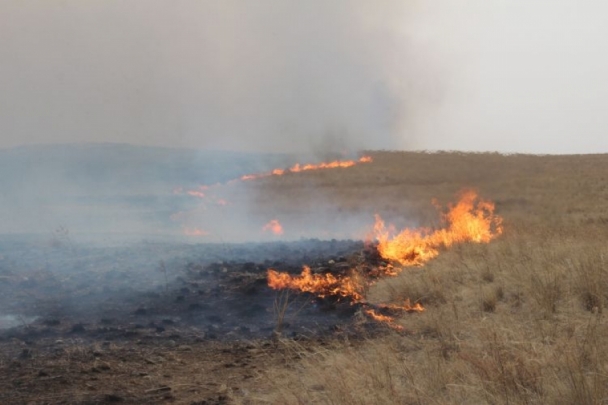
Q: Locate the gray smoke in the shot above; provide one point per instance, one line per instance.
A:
(316, 78)
(302, 76)
(270, 75)
(519, 75)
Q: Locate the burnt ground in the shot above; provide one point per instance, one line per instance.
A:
(157, 322)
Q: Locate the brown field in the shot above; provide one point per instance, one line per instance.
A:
(517, 321)
(520, 320)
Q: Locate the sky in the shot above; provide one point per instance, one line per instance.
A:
(301, 76)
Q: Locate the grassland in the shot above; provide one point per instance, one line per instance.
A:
(520, 320)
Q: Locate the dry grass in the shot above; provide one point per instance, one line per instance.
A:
(518, 321)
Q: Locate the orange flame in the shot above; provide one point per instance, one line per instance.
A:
(274, 226)
(383, 319)
(322, 285)
(301, 168)
(195, 232)
(407, 306)
(328, 285)
(469, 220)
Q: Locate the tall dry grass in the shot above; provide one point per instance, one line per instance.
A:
(521, 320)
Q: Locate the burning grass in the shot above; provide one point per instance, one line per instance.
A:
(297, 168)
(520, 320)
(527, 336)
(469, 220)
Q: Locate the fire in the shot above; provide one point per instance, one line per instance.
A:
(393, 308)
(351, 287)
(406, 306)
(274, 226)
(207, 192)
(195, 232)
(383, 318)
(196, 193)
(469, 220)
(297, 168)
(322, 285)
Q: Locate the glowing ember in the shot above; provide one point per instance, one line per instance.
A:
(195, 232)
(196, 193)
(322, 285)
(469, 220)
(273, 226)
(301, 168)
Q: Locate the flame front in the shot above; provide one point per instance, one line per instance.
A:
(350, 287)
(205, 192)
(469, 220)
(322, 285)
(383, 318)
(393, 308)
(297, 168)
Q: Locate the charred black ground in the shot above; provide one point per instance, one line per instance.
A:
(155, 289)
(76, 318)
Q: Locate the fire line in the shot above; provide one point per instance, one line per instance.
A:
(297, 168)
(202, 191)
(471, 219)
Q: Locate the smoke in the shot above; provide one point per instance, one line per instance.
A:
(269, 75)
(306, 76)
(316, 78)
(520, 76)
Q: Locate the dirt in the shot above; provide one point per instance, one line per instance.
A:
(156, 323)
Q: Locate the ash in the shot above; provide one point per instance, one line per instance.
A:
(166, 291)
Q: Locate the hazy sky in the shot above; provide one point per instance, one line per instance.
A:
(293, 75)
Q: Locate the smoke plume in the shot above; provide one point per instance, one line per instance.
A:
(306, 76)
(269, 75)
